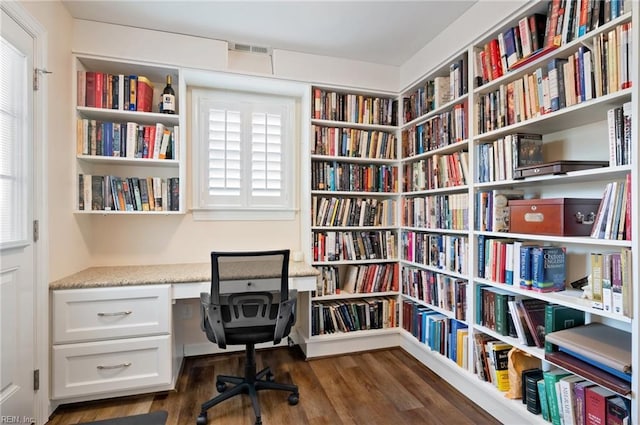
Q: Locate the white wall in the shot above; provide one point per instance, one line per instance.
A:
(478, 20)
(68, 237)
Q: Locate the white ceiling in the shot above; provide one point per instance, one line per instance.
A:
(383, 32)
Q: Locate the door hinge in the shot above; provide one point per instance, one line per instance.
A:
(36, 230)
(36, 380)
(36, 77)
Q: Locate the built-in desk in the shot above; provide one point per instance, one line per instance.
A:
(125, 330)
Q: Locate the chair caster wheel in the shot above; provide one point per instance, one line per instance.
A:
(221, 386)
(269, 377)
(258, 421)
(202, 419)
(294, 399)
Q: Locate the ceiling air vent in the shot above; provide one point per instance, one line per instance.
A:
(249, 48)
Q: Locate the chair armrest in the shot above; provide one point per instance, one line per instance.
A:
(211, 320)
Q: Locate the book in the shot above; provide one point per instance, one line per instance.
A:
(534, 314)
(519, 321)
(498, 355)
(548, 269)
(559, 317)
(579, 396)
(605, 344)
(618, 411)
(588, 371)
(567, 396)
(550, 378)
(596, 405)
(544, 401)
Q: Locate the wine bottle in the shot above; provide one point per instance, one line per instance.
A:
(168, 104)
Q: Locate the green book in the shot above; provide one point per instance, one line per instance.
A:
(550, 379)
(557, 318)
(544, 403)
(501, 311)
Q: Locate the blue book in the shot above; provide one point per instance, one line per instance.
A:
(510, 47)
(107, 139)
(525, 267)
(453, 338)
(481, 240)
(608, 369)
(548, 269)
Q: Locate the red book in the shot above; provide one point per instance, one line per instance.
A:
(144, 95)
(552, 24)
(90, 95)
(496, 62)
(98, 90)
(596, 405)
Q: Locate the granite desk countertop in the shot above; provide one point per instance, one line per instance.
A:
(95, 277)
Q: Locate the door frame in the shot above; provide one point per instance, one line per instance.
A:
(41, 406)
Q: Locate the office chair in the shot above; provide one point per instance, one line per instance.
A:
(249, 303)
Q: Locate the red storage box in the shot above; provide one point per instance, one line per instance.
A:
(554, 216)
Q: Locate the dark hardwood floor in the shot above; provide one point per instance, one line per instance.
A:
(379, 387)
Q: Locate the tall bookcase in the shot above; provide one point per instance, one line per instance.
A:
(143, 179)
(441, 240)
(353, 221)
(570, 129)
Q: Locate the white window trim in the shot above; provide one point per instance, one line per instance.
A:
(233, 212)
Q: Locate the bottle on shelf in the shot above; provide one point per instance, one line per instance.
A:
(168, 102)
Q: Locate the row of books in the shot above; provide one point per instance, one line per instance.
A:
(114, 91)
(356, 108)
(441, 334)
(537, 34)
(492, 212)
(342, 176)
(353, 142)
(112, 193)
(502, 53)
(523, 264)
(442, 291)
(130, 140)
(328, 317)
(562, 82)
(436, 212)
(441, 130)
(491, 360)
(613, 219)
(334, 211)
(611, 282)
(437, 92)
(497, 160)
(362, 245)
(444, 252)
(563, 397)
(437, 171)
(619, 122)
(357, 279)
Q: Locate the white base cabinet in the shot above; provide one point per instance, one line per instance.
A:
(107, 340)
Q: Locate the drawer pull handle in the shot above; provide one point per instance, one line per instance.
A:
(118, 313)
(115, 366)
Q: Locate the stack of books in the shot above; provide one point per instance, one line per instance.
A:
(595, 351)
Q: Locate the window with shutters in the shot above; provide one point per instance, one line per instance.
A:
(244, 155)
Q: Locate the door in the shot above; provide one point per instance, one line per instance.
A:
(17, 266)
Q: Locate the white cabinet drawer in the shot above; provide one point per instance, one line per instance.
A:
(108, 313)
(101, 367)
